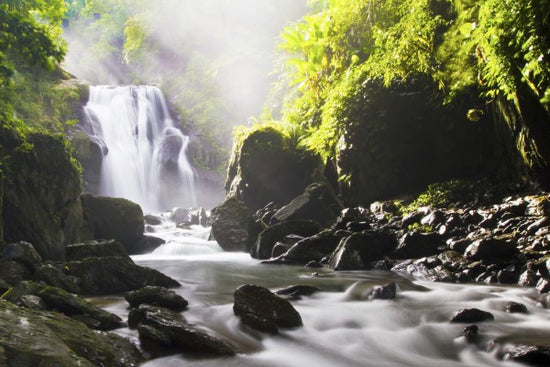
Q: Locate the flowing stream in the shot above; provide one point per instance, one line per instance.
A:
(341, 327)
(144, 152)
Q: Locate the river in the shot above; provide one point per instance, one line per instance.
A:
(341, 327)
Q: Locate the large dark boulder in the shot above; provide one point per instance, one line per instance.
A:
(268, 167)
(491, 250)
(533, 355)
(267, 239)
(318, 203)
(114, 218)
(22, 252)
(89, 151)
(109, 275)
(262, 310)
(41, 193)
(313, 248)
(40, 338)
(162, 331)
(232, 225)
(96, 248)
(358, 250)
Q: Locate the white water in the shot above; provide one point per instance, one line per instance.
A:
(145, 153)
(341, 327)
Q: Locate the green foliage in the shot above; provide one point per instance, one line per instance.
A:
(437, 195)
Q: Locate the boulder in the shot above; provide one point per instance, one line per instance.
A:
(156, 296)
(297, 291)
(262, 310)
(114, 218)
(39, 338)
(266, 166)
(89, 151)
(491, 250)
(56, 299)
(233, 226)
(388, 291)
(55, 275)
(414, 245)
(514, 307)
(41, 193)
(471, 315)
(358, 250)
(22, 252)
(532, 355)
(147, 244)
(95, 248)
(165, 331)
(318, 203)
(109, 275)
(313, 248)
(13, 272)
(263, 247)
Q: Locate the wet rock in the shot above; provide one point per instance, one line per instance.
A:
(471, 315)
(459, 244)
(414, 245)
(347, 215)
(147, 244)
(22, 252)
(358, 250)
(530, 354)
(508, 275)
(109, 275)
(54, 275)
(528, 278)
(313, 265)
(95, 248)
(491, 250)
(162, 331)
(543, 285)
(387, 291)
(317, 203)
(471, 334)
(413, 217)
(279, 249)
(114, 218)
(276, 233)
(13, 272)
(233, 226)
(514, 307)
(156, 296)
(39, 338)
(433, 219)
(181, 216)
(152, 220)
(297, 291)
(260, 309)
(312, 248)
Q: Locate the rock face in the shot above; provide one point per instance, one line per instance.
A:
(40, 338)
(41, 193)
(162, 331)
(233, 226)
(262, 310)
(115, 218)
(318, 203)
(267, 167)
(89, 152)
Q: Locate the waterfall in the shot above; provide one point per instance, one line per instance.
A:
(144, 153)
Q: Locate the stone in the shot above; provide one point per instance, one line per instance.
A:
(156, 296)
(152, 220)
(543, 285)
(388, 291)
(181, 216)
(147, 244)
(514, 307)
(317, 203)
(414, 245)
(169, 332)
(89, 151)
(54, 275)
(233, 226)
(313, 248)
(39, 338)
(22, 252)
(95, 248)
(491, 250)
(471, 315)
(532, 355)
(471, 333)
(276, 233)
(13, 272)
(114, 218)
(259, 304)
(109, 275)
(358, 250)
(41, 193)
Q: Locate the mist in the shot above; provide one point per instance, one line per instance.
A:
(228, 45)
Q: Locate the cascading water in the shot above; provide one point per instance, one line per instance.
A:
(144, 152)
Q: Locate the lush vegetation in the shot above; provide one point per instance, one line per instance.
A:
(495, 49)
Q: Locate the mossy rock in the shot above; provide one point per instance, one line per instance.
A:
(39, 338)
(233, 226)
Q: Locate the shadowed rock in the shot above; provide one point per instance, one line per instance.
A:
(471, 315)
(156, 296)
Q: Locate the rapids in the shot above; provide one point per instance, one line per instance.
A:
(341, 327)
